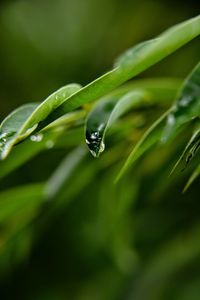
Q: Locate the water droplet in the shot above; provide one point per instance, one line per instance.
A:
(30, 130)
(171, 120)
(4, 137)
(170, 124)
(36, 138)
(184, 102)
(49, 144)
(95, 143)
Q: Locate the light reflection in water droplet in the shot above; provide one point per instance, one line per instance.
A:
(36, 138)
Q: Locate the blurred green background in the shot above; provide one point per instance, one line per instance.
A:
(138, 240)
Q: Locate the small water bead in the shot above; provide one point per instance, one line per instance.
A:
(185, 101)
(3, 140)
(36, 138)
(49, 144)
(4, 137)
(171, 119)
(30, 130)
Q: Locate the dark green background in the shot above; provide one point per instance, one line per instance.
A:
(82, 253)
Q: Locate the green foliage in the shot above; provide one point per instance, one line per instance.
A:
(105, 113)
(23, 121)
(105, 221)
(185, 109)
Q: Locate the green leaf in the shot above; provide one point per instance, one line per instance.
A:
(12, 124)
(105, 113)
(187, 106)
(147, 54)
(133, 53)
(184, 110)
(23, 121)
(50, 104)
(54, 135)
(190, 149)
(150, 138)
(192, 178)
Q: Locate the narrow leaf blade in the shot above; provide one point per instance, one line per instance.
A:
(186, 107)
(150, 138)
(192, 178)
(190, 149)
(105, 113)
(22, 122)
(11, 126)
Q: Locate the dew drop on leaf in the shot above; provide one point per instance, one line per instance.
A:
(95, 143)
(49, 144)
(36, 138)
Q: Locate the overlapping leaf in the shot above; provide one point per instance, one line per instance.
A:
(105, 113)
(191, 148)
(53, 135)
(186, 108)
(140, 58)
(192, 178)
(23, 121)
(11, 126)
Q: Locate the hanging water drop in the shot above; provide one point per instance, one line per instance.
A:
(95, 143)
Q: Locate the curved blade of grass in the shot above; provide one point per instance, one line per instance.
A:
(146, 56)
(150, 138)
(190, 149)
(21, 123)
(105, 113)
(187, 106)
(192, 178)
